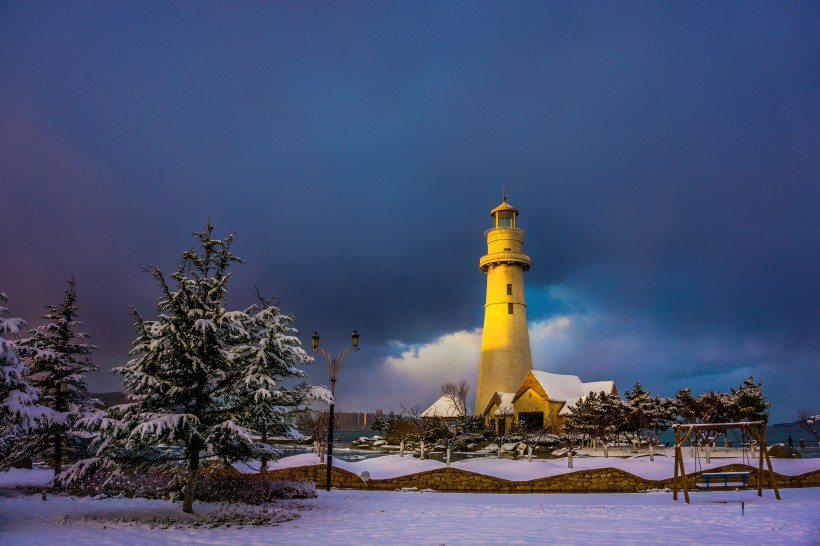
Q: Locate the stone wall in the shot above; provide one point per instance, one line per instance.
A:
(590, 480)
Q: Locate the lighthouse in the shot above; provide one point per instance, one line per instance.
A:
(505, 343)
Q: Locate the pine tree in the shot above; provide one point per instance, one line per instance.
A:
(712, 407)
(748, 403)
(20, 410)
(648, 416)
(203, 380)
(599, 416)
(268, 353)
(58, 369)
(686, 406)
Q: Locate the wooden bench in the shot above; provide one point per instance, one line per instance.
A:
(725, 475)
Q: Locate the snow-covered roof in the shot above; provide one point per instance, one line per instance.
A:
(559, 387)
(445, 408)
(569, 404)
(505, 404)
(563, 388)
(607, 387)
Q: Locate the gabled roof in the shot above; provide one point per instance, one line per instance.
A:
(562, 388)
(444, 408)
(569, 404)
(504, 402)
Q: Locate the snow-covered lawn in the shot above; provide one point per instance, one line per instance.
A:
(387, 518)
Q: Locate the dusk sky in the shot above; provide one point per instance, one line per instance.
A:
(664, 157)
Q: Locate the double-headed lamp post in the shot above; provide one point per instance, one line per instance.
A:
(333, 365)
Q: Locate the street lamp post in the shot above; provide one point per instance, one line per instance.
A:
(333, 365)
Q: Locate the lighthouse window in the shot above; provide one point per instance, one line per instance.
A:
(505, 218)
(509, 290)
(509, 308)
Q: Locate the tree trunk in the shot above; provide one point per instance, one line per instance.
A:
(421, 452)
(708, 451)
(652, 451)
(190, 484)
(401, 448)
(529, 454)
(264, 468)
(58, 440)
(569, 457)
(606, 450)
(448, 456)
(58, 453)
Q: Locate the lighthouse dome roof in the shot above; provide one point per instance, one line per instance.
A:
(504, 206)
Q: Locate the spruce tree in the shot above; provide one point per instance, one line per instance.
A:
(58, 368)
(204, 381)
(20, 410)
(268, 352)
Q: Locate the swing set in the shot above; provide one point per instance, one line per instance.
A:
(754, 429)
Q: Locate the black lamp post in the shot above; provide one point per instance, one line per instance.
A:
(333, 365)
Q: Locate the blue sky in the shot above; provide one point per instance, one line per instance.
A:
(663, 156)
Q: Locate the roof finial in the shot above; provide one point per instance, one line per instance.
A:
(504, 192)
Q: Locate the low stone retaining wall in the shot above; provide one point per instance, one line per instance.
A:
(589, 480)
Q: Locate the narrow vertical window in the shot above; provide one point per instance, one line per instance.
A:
(509, 290)
(509, 308)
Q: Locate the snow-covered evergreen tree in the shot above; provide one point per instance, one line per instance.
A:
(599, 416)
(648, 416)
(58, 367)
(203, 380)
(747, 402)
(20, 410)
(270, 408)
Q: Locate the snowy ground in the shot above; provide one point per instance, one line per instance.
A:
(387, 518)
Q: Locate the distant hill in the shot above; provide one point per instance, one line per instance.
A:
(109, 398)
(782, 425)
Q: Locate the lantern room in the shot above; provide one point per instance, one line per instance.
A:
(504, 215)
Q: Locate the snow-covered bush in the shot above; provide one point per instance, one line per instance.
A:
(216, 484)
(292, 489)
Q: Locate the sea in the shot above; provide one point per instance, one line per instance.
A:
(803, 442)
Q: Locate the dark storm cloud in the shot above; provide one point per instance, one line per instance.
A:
(663, 158)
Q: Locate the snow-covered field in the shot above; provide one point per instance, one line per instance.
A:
(387, 518)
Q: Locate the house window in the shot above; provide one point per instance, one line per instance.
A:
(509, 308)
(509, 290)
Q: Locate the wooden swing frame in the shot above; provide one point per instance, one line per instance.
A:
(756, 429)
